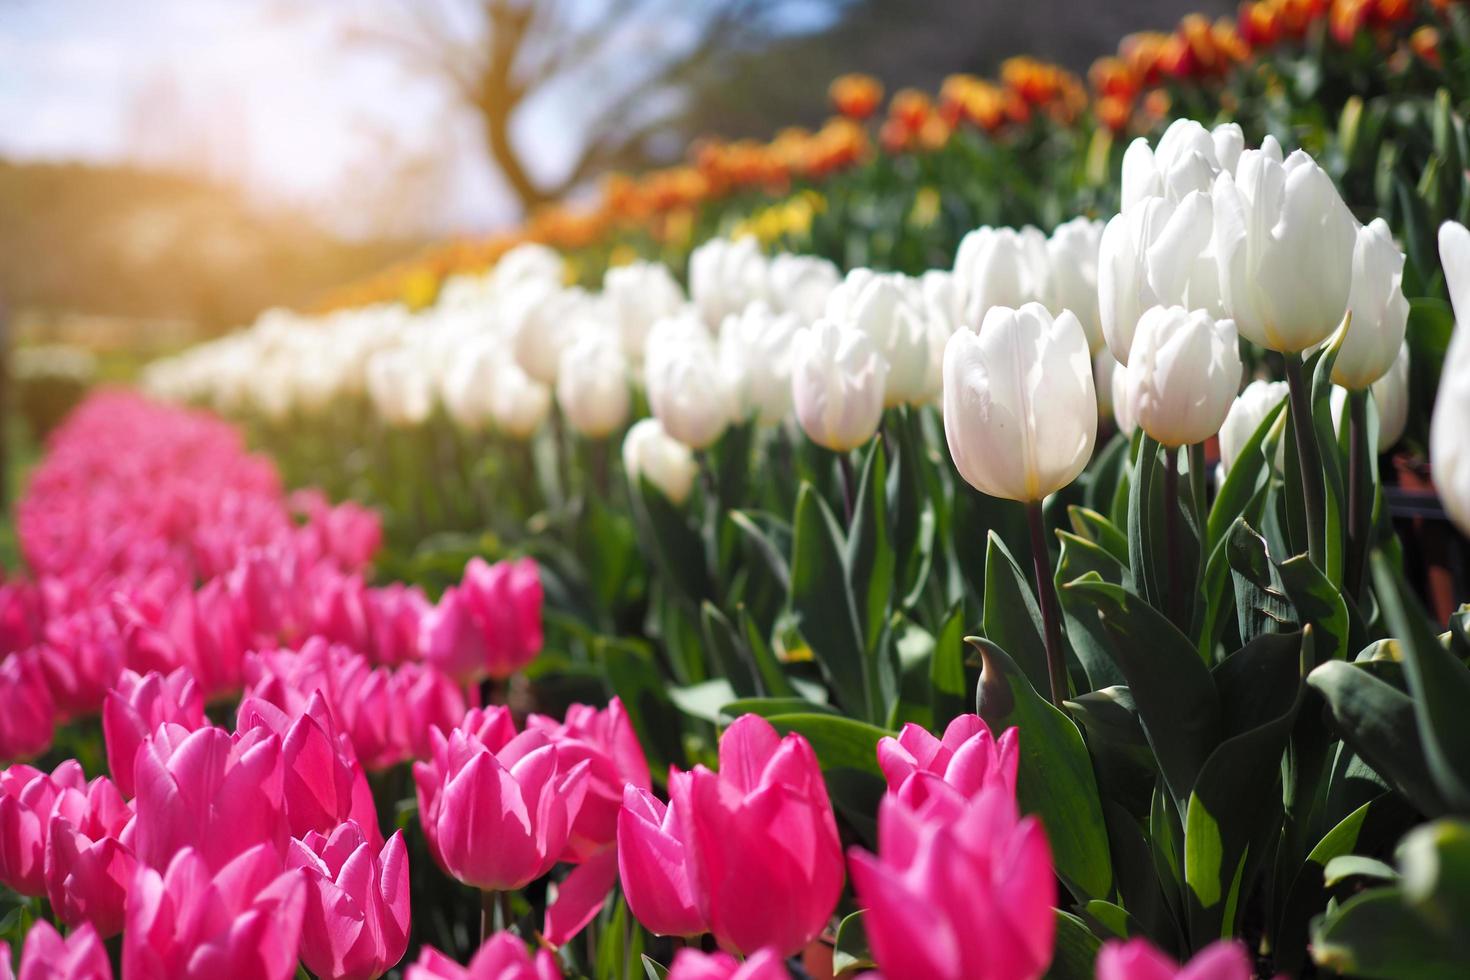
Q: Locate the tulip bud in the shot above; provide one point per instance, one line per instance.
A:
(694, 964)
(1379, 311)
(1020, 412)
(800, 284)
(688, 391)
(503, 957)
(1227, 959)
(968, 758)
(1246, 413)
(526, 262)
(46, 956)
(542, 321)
(837, 381)
(1186, 160)
(1183, 375)
(468, 383)
(1073, 251)
(725, 276)
(488, 625)
(26, 798)
(29, 717)
(400, 388)
(137, 706)
(592, 384)
(1284, 241)
(637, 296)
(88, 867)
(650, 454)
(1449, 437)
(1002, 267)
(888, 309)
(518, 404)
(653, 861)
(357, 902)
(1391, 395)
(755, 354)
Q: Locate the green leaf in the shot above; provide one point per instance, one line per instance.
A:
(1330, 463)
(1075, 951)
(771, 707)
(678, 548)
(773, 679)
(731, 660)
(1147, 560)
(653, 969)
(1011, 618)
(947, 681)
(1260, 596)
(1319, 603)
(822, 600)
(1094, 527)
(705, 700)
(1340, 869)
(1083, 629)
(1055, 777)
(1376, 936)
(1176, 698)
(637, 682)
(770, 538)
(850, 953)
(870, 557)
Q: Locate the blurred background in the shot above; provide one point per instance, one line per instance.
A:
(169, 168)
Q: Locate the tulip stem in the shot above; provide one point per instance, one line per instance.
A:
(1171, 538)
(1306, 442)
(487, 916)
(849, 484)
(1360, 490)
(1046, 590)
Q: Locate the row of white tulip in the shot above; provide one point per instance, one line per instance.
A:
(1022, 341)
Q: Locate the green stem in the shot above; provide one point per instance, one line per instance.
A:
(487, 915)
(849, 485)
(1172, 546)
(1313, 492)
(1046, 590)
(1360, 491)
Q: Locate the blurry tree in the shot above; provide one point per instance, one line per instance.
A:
(613, 70)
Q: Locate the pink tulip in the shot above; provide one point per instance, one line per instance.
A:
(30, 712)
(395, 614)
(323, 782)
(967, 758)
(493, 727)
(5, 971)
(193, 923)
(1136, 959)
(46, 956)
(88, 865)
(503, 957)
(653, 862)
(965, 874)
(692, 964)
(218, 793)
(766, 861)
(81, 657)
(488, 625)
(137, 706)
(26, 798)
(357, 911)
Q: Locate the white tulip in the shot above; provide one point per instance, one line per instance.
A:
(944, 312)
(465, 388)
(1123, 414)
(1104, 366)
(687, 389)
(1183, 375)
(1229, 140)
(527, 262)
(399, 387)
(1002, 267)
(541, 320)
(888, 308)
(1391, 395)
(1073, 252)
(837, 384)
(800, 284)
(1247, 412)
(1184, 161)
(518, 403)
(755, 352)
(1449, 433)
(636, 297)
(592, 384)
(649, 453)
(1284, 240)
(1380, 313)
(725, 276)
(1020, 411)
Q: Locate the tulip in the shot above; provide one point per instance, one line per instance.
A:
(399, 384)
(688, 390)
(1187, 159)
(725, 276)
(323, 782)
(492, 726)
(214, 793)
(88, 867)
(638, 295)
(527, 262)
(192, 922)
(889, 309)
(357, 902)
(1449, 440)
(1137, 959)
(503, 957)
(592, 384)
(81, 659)
(650, 454)
(653, 861)
(1183, 375)
(766, 861)
(137, 706)
(468, 383)
(1246, 414)
(46, 956)
(29, 717)
(517, 403)
(488, 625)
(837, 384)
(499, 820)
(967, 757)
(1380, 313)
(1072, 252)
(26, 798)
(1285, 243)
(1391, 395)
(800, 284)
(755, 353)
(1002, 267)
(693, 964)
(542, 320)
(968, 876)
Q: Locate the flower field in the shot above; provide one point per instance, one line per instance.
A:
(1012, 532)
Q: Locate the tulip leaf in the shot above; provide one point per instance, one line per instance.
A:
(1147, 559)
(850, 951)
(1121, 756)
(1075, 950)
(728, 651)
(1094, 527)
(1261, 603)
(705, 700)
(1347, 866)
(770, 537)
(1376, 934)
(773, 679)
(771, 707)
(636, 681)
(677, 545)
(870, 559)
(1176, 699)
(1330, 463)
(653, 969)
(1250, 471)
(1083, 629)
(1011, 618)
(1319, 603)
(822, 600)
(1055, 777)
(1439, 684)
(948, 684)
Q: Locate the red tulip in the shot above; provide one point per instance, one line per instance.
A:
(46, 956)
(488, 625)
(965, 875)
(88, 866)
(653, 861)
(208, 790)
(766, 861)
(503, 957)
(242, 921)
(1136, 959)
(323, 782)
(26, 798)
(967, 758)
(135, 708)
(357, 903)
(692, 964)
